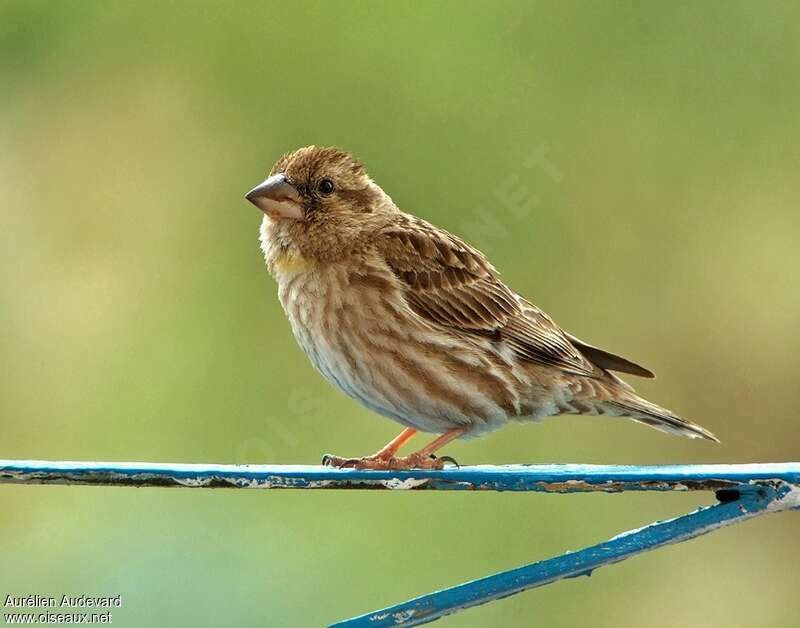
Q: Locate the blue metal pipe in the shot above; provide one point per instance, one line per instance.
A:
(743, 490)
(551, 478)
(428, 608)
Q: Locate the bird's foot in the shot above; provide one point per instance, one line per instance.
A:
(388, 463)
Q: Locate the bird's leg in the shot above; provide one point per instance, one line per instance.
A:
(379, 460)
(424, 458)
(393, 446)
(384, 459)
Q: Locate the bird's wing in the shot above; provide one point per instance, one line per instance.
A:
(448, 282)
(609, 361)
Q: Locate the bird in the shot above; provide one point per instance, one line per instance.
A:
(416, 324)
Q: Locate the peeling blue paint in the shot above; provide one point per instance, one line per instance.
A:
(559, 478)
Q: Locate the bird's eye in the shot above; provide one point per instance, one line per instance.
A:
(325, 186)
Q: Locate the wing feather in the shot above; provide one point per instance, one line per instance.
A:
(448, 282)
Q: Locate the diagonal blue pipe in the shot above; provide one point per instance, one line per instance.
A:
(752, 501)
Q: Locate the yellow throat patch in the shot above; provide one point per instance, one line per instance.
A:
(291, 263)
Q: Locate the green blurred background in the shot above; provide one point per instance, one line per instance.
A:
(632, 169)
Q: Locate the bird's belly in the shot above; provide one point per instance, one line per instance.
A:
(333, 363)
(378, 353)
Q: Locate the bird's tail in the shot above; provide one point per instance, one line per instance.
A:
(624, 403)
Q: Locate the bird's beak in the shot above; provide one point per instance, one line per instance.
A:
(277, 198)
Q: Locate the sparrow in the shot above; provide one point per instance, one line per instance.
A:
(415, 323)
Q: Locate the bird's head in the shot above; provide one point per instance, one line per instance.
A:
(321, 200)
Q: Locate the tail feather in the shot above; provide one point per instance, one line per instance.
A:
(657, 417)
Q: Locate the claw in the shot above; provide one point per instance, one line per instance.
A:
(329, 460)
(450, 460)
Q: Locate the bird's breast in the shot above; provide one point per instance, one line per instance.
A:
(355, 327)
(335, 322)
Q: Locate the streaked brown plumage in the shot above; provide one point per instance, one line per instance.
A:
(415, 324)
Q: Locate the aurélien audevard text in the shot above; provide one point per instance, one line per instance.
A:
(35, 600)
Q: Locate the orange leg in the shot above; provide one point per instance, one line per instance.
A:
(385, 458)
(437, 444)
(391, 448)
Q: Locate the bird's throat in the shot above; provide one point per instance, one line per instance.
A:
(287, 263)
